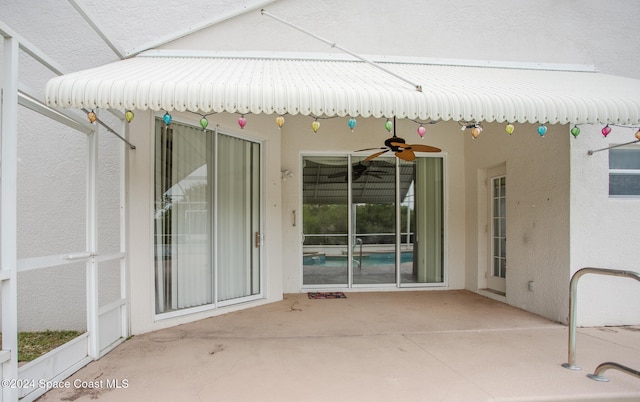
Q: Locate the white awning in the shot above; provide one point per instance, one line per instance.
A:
(350, 88)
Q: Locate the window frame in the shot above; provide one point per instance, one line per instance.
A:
(622, 172)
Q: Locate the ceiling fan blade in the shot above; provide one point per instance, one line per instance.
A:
(372, 156)
(422, 148)
(406, 155)
(339, 174)
(369, 149)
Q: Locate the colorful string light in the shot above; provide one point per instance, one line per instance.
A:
(128, 115)
(542, 130)
(315, 126)
(92, 116)
(167, 118)
(352, 123)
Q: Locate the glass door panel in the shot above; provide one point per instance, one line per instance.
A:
(183, 275)
(373, 206)
(238, 218)
(407, 223)
(422, 210)
(325, 220)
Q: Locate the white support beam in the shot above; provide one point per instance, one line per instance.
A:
(8, 212)
(5, 275)
(93, 317)
(4, 356)
(61, 116)
(84, 12)
(30, 49)
(124, 237)
(45, 60)
(206, 24)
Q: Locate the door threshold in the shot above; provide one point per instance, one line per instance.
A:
(493, 294)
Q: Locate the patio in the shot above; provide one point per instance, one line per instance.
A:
(427, 346)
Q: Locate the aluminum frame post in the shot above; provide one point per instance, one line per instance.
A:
(8, 218)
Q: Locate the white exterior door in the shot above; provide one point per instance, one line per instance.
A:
(497, 266)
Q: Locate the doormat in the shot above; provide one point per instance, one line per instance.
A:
(326, 295)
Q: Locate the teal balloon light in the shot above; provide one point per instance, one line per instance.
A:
(167, 118)
(542, 130)
(352, 123)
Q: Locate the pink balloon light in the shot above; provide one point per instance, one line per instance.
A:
(242, 121)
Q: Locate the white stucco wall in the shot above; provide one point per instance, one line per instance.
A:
(604, 232)
(537, 176)
(543, 31)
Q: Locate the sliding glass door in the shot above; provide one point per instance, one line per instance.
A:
(207, 218)
(238, 218)
(373, 223)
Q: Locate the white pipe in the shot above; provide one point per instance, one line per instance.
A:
(188, 31)
(332, 44)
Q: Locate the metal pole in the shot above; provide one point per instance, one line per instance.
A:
(597, 374)
(591, 152)
(418, 87)
(112, 131)
(573, 289)
(571, 364)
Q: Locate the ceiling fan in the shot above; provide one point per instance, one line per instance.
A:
(357, 171)
(400, 148)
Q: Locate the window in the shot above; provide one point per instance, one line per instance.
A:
(624, 172)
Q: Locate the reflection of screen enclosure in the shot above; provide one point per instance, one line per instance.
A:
(372, 222)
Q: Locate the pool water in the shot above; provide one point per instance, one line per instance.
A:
(367, 259)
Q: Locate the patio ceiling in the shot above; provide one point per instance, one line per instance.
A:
(287, 84)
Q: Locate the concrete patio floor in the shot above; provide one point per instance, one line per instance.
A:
(392, 346)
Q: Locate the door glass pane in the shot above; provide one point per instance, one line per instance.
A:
(373, 193)
(422, 261)
(499, 227)
(238, 218)
(182, 211)
(325, 220)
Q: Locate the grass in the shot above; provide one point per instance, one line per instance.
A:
(32, 345)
